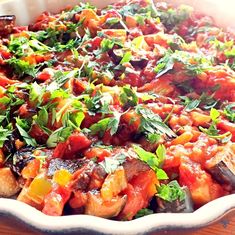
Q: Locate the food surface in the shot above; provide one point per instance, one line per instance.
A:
(118, 112)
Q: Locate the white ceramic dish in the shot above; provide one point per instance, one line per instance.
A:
(26, 11)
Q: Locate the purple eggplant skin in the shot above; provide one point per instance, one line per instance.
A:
(224, 172)
(69, 165)
(136, 62)
(7, 23)
(20, 159)
(139, 62)
(116, 55)
(222, 167)
(177, 206)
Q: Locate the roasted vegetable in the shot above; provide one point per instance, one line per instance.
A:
(55, 200)
(69, 165)
(116, 55)
(201, 185)
(172, 198)
(103, 111)
(8, 183)
(133, 167)
(107, 209)
(222, 166)
(113, 184)
(139, 62)
(20, 159)
(39, 188)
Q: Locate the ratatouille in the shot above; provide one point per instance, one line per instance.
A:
(118, 112)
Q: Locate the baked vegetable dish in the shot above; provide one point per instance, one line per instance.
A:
(118, 112)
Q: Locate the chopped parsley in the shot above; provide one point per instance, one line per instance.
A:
(4, 134)
(128, 96)
(143, 212)
(23, 127)
(151, 123)
(110, 164)
(153, 160)
(59, 135)
(212, 131)
(204, 101)
(229, 112)
(171, 192)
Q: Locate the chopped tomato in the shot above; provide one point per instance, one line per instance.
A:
(38, 134)
(54, 202)
(139, 191)
(227, 126)
(96, 152)
(4, 81)
(31, 170)
(75, 143)
(202, 187)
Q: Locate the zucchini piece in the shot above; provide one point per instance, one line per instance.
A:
(172, 198)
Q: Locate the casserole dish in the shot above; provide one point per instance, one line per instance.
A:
(89, 224)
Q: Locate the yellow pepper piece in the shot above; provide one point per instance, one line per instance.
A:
(39, 188)
(62, 177)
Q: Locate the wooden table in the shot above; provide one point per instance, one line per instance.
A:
(225, 226)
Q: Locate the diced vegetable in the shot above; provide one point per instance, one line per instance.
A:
(39, 188)
(113, 184)
(62, 177)
(32, 169)
(8, 183)
(54, 202)
(133, 167)
(173, 198)
(139, 191)
(106, 209)
(202, 188)
(222, 166)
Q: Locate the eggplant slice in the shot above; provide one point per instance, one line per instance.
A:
(176, 206)
(222, 166)
(69, 165)
(20, 159)
(136, 61)
(7, 23)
